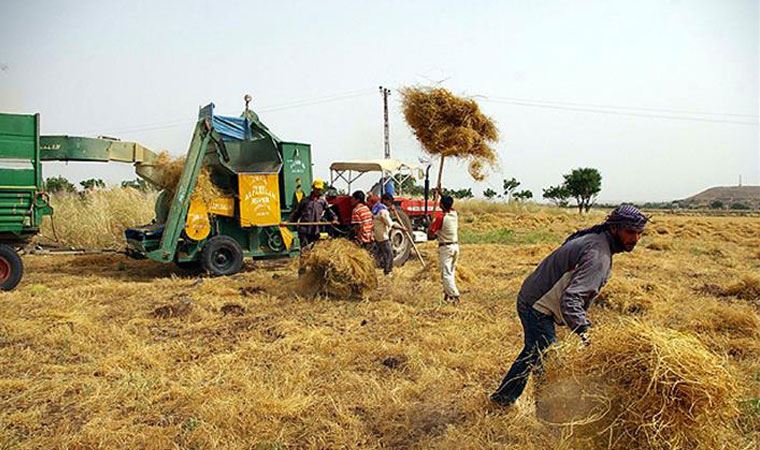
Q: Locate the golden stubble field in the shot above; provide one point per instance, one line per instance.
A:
(100, 351)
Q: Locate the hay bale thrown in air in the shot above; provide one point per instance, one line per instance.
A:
(448, 125)
(337, 268)
(647, 387)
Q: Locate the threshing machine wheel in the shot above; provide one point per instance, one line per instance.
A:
(11, 268)
(222, 255)
(400, 241)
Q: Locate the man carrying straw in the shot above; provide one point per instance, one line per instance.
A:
(561, 289)
(445, 229)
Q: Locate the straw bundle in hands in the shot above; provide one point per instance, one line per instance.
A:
(337, 268)
(653, 388)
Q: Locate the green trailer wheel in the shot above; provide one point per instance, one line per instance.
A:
(11, 268)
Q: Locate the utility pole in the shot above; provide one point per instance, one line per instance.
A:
(386, 92)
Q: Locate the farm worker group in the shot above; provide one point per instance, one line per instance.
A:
(558, 292)
(371, 229)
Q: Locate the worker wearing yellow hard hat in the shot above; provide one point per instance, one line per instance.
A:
(312, 210)
(318, 183)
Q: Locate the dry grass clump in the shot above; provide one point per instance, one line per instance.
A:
(97, 219)
(746, 288)
(448, 125)
(659, 244)
(731, 329)
(652, 388)
(170, 170)
(337, 268)
(624, 297)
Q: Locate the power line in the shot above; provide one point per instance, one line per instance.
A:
(619, 112)
(619, 107)
(279, 107)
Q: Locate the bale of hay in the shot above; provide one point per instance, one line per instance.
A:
(448, 125)
(650, 388)
(170, 170)
(336, 268)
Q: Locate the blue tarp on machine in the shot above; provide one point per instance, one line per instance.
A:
(229, 128)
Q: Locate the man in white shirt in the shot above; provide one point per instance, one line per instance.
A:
(445, 229)
(381, 226)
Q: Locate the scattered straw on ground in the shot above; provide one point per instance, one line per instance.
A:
(337, 268)
(651, 388)
(102, 351)
(448, 125)
(432, 272)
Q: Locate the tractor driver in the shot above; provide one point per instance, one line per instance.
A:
(312, 210)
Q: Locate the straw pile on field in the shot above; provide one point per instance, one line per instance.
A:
(337, 268)
(448, 125)
(746, 288)
(651, 388)
(170, 170)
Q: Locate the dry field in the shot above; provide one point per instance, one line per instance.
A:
(100, 351)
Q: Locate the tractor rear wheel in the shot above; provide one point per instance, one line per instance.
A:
(222, 255)
(400, 241)
(11, 268)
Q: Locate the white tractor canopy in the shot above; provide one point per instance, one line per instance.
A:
(389, 169)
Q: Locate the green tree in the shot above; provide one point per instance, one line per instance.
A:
(557, 194)
(490, 193)
(584, 184)
(716, 204)
(58, 184)
(92, 183)
(508, 186)
(739, 206)
(411, 188)
(458, 193)
(523, 195)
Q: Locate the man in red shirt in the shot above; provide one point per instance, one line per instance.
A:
(361, 220)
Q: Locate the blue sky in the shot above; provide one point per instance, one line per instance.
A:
(660, 96)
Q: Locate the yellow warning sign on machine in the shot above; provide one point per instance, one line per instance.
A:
(259, 199)
(197, 225)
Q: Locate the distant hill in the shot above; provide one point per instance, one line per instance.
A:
(729, 196)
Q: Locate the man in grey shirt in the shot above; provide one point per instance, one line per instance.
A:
(562, 288)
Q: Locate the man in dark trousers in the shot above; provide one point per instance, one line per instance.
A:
(313, 208)
(561, 289)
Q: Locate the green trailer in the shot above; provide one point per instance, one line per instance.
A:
(22, 201)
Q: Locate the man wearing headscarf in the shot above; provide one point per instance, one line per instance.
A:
(561, 289)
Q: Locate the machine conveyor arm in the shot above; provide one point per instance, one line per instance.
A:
(76, 148)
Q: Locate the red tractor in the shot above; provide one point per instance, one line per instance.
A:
(414, 214)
